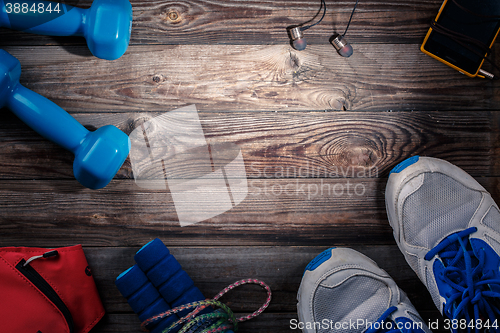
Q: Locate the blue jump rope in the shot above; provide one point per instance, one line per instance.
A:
(156, 284)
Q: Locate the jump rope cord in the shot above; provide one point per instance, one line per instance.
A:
(219, 320)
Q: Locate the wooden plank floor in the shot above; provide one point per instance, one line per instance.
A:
(331, 120)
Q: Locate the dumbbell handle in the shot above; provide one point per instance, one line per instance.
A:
(70, 22)
(46, 118)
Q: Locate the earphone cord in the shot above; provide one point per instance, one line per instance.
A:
(350, 18)
(322, 6)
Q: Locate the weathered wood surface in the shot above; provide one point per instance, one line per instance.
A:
(285, 212)
(287, 111)
(259, 22)
(288, 144)
(252, 78)
(324, 191)
(275, 212)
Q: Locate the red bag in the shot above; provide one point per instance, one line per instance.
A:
(55, 293)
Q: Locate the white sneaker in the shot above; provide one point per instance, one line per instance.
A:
(448, 228)
(344, 291)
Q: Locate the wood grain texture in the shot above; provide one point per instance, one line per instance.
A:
(316, 169)
(286, 144)
(258, 22)
(275, 212)
(286, 212)
(256, 78)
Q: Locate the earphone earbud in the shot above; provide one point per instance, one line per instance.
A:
(297, 36)
(296, 33)
(341, 45)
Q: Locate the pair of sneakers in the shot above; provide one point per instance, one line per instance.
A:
(448, 228)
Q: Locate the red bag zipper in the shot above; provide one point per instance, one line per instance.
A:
(31, 274)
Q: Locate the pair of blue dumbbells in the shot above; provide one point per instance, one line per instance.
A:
(156, 284)
(106, 25)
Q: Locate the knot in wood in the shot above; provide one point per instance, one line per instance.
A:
(157, 78)
(356, 150)
(294, 61)
(173, 16)
(142, 120)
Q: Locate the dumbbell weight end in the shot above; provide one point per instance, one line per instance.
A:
(106, 25)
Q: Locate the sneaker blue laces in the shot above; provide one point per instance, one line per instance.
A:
(385, 325)
(471, 287)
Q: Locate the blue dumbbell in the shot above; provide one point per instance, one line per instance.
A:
(98, 155)
(106, 25)
(144, 298)
(166, 274)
